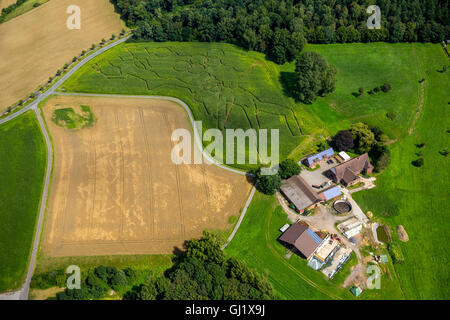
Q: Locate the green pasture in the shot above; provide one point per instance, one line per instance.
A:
(227, 87)
(256, 243)
(22, 161)
(418, 198)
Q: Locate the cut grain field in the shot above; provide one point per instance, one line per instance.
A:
(6, 3)
(227, 87)
(115, 189)
(35, 45)
(22, 9)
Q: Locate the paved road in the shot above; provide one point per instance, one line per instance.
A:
(198, 141)
(22, 294)
(63, 79)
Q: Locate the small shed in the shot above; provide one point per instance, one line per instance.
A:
(356, 291)
(284, 228)
(344, 156)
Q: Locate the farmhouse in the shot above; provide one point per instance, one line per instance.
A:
(299, 193)
(300, 237)
(313, 159)
(347, 172)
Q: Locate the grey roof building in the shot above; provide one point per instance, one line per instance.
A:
(299, 193)
(300, 236)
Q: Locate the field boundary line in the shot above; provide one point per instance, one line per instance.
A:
(27, 13)
(51, 90)
(43, 206)
(198, 142)
(291, 267)
(241, 218)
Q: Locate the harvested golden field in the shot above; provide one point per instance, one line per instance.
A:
(35, 45)
(6, 3)
(115, 189)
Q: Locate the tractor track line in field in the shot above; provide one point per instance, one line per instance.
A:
(22, 293)
(281, 259)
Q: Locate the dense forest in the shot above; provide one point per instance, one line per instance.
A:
(280, 28)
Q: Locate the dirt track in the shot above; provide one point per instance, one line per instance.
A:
(36, 44)
(114, 187)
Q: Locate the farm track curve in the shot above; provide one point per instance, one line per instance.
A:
(22, 293)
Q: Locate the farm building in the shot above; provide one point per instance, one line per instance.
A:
(356, 291)
(350, 228)
(347, 172)
(313, 159)
(303, 239)
(340, 257)
(343, 156)
(330, 193)
(298, 192)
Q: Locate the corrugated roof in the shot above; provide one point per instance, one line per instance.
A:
(344, 155)
(318, 156)
(313, 235)
(331, 193)
(302, 238)
(298, 191)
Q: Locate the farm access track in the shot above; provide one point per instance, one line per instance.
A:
(22, 294)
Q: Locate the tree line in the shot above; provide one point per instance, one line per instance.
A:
(10, 8)
(280, 29)
(201, 272)
(362, 138)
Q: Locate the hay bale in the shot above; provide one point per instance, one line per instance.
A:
(401, 233)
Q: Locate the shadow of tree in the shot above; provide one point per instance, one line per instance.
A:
(287, 80)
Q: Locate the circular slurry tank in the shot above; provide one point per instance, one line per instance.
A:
(342, 207)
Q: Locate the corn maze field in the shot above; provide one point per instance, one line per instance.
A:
(225, 87)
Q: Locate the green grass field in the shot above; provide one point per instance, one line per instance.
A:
(22, 162)
(256, 243)
(227, 87)
(418, 198)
